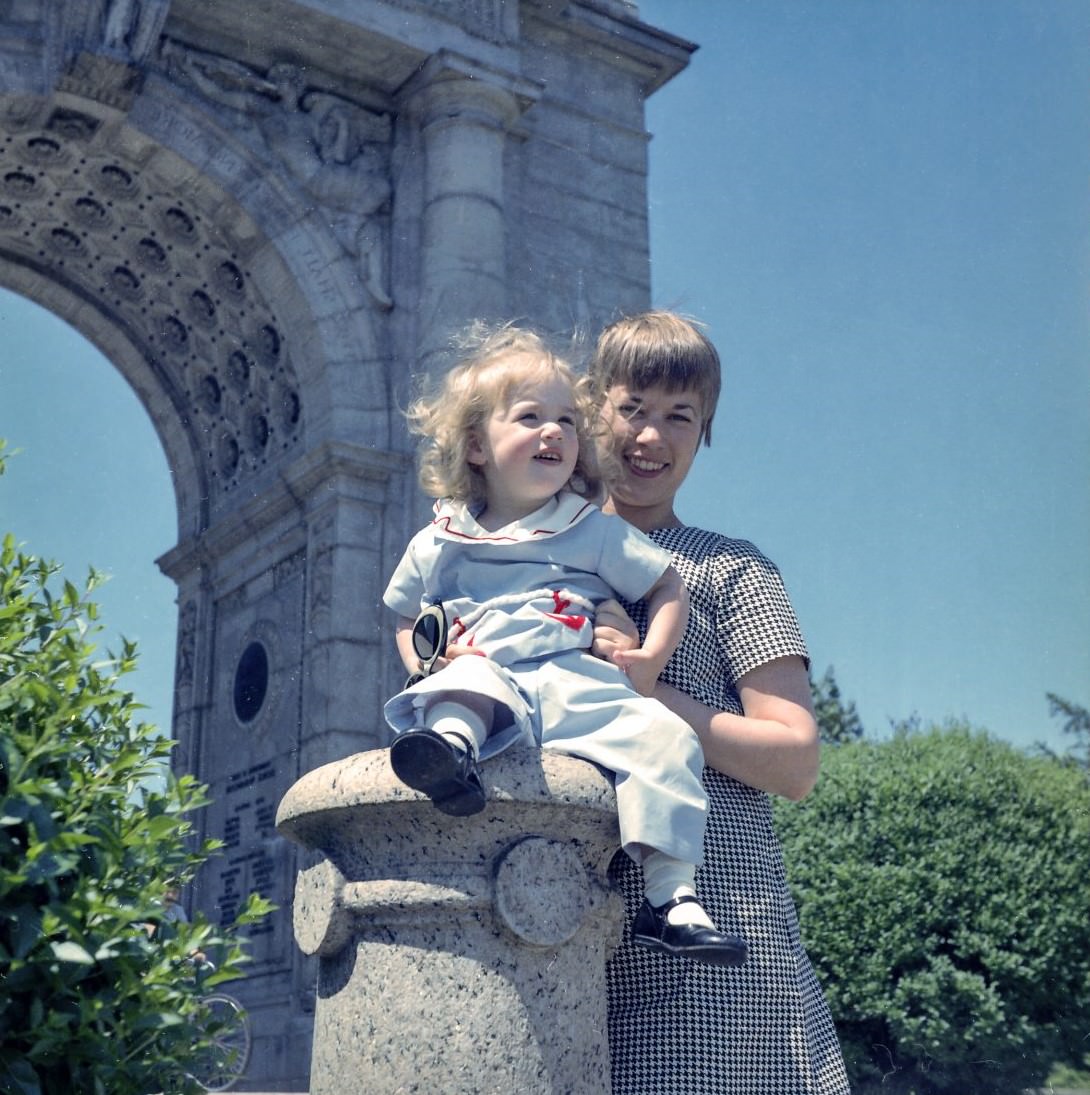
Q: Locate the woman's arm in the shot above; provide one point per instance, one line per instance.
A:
(773, 746)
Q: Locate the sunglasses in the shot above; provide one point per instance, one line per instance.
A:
(429, 640)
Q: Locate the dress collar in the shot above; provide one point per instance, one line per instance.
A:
(454, 521)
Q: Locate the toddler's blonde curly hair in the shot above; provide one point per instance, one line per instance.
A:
(458, 407)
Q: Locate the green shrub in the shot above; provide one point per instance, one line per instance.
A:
(89, 1002)
(943, 885)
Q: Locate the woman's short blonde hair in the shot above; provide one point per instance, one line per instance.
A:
(456, 409)
(659, 350)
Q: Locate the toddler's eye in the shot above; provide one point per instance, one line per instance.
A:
(567, 420)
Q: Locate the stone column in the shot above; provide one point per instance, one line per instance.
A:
(460, 955)
(464, 112)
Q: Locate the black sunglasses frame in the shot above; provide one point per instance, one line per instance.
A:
(429, 640)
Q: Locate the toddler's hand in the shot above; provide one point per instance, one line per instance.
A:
(642, 669)
(453, 651)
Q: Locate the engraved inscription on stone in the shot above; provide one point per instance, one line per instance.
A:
(250, 860)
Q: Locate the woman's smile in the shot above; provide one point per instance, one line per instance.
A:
(641, 465)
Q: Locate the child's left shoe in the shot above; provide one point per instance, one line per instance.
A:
(429, 763)
(652, 929)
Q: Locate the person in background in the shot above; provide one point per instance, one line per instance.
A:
(172, 904)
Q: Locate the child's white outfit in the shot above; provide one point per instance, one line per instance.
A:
(525, 595)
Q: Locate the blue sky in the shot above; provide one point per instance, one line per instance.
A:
(90, 485)
(881, 210)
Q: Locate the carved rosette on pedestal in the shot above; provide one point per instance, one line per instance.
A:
(457, 954)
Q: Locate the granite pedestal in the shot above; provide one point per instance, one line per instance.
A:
(461, 955)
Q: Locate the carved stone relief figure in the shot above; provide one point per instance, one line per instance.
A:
(354, 183)
(118, 22)
(187, 645)
(223, 80)
(132, 26)
(337, 151)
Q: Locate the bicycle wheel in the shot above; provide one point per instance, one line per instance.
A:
(224, 1061)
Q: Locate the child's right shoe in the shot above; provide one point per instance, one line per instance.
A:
(652, 929)
(429, 763)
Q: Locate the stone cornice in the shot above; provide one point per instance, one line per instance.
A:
(295, 491)
(658, 55)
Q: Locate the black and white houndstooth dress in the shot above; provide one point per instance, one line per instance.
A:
(678, 1027)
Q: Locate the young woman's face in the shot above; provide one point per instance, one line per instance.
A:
(528, 448)
(655, 437)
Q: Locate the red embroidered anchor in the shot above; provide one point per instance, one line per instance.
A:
(574, 622)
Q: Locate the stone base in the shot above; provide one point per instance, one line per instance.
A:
(457, 954)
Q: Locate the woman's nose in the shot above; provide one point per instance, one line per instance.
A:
(648, 431)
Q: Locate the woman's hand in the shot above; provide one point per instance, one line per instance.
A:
(614, 631)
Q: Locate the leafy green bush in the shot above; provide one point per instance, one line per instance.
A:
(89, 1001)
(943, 888)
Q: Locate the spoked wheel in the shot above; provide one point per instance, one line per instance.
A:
(223, 1062)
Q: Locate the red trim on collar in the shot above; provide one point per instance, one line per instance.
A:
(444, 519)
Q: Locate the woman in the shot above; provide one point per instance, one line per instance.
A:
(739, 678)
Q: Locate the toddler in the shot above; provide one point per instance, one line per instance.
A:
(512, 567)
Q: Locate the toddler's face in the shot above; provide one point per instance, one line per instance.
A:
(528, 447)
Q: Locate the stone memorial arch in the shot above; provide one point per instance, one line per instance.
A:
(269, 215)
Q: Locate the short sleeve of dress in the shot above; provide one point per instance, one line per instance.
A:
(740, 616)
(630, 562)
(754, 618)
(405, 590)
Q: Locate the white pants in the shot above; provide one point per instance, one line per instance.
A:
(585, 707)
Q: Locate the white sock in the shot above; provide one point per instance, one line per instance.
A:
(665, 878)
(458, 724)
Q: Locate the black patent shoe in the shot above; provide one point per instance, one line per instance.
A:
(427, 762)
(651, 929)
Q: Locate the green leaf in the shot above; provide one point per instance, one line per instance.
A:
(961, 862)
(18, 1077)
(73, 952)
(88, 1002)
(27, 931)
